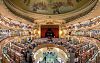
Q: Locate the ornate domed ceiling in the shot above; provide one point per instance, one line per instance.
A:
(50, 8)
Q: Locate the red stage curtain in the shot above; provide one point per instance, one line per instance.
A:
(55, 30)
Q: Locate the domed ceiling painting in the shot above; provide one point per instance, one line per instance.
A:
(49, 6)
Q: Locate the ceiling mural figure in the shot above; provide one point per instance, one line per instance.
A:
(50, 7)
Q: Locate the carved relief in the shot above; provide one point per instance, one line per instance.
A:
(60, 23)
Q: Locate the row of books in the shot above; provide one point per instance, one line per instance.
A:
(13, 51)
(5, 21)
(89, 33)
(10, 32)
(85, 24)
(83, 50)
